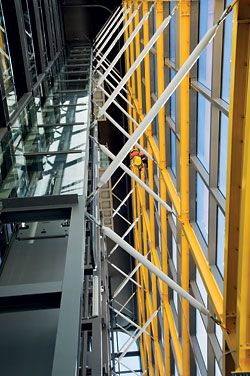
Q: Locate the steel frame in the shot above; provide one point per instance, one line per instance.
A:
(189, 241)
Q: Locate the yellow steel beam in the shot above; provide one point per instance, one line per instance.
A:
(145, 341)
(162, 163)
(174, 335)
(184, 52)
(149, 306)
(243, 289)
(236, 272)
(141, 223)
(149, 130)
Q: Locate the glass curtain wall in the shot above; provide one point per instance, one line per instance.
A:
(6, 67)
(208, 123)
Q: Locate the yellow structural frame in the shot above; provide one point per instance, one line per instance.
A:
(237, 321)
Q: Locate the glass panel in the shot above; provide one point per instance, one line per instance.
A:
(201, 335)
(202, 199)
(156, 128)
(172, 98)
(176, 373)
(128, 362)
(197, 370)
(220, 241)
(219, 335)
(172, 4)
(173, 151)
(175, 300)
(174, 252)
(222, 178)
(227, 56)
(217, 371)
(203, 130)
(6, 67)
(30, 176)
(205, 60)
(56, 114)
(44, 153)
(201, 287)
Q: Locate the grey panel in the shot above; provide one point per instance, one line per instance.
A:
(27, 342)
(36, 260)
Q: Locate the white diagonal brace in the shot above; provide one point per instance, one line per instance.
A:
(111, 33)
(189, 63)
(153, 269)
(118, 180)
(133, 67)
(119, 35)
(126, 318)
(125, 275)
(138, 180)
(118, 198)
(125, 219)
(107, 23)
(110, 27)
(123, 284)
(142, 330)
(116, 79)
(129, 369)
(124, 235)
(127, 301)
(123, 49)
(122, 203)
(123, 329)
(127, 309)
(113, 87)
(120, 107)
(122, 130)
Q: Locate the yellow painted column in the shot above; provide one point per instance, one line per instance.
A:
(184, 52)
(163, 193)
(243, 289)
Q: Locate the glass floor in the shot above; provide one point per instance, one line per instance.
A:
(45, 151)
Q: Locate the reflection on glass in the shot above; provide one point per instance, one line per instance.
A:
(172, 98)
(222, 176)
(202, 198)
(227, 55)
(172, 4)
(220, 241)
(44, 153)
(173, 151)
(217, 371)
(201, 287)
(6, 66)
(132, 362)
(203, 130)
(201, 335)
(205, 60)
(219, 335)
(174, 252)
